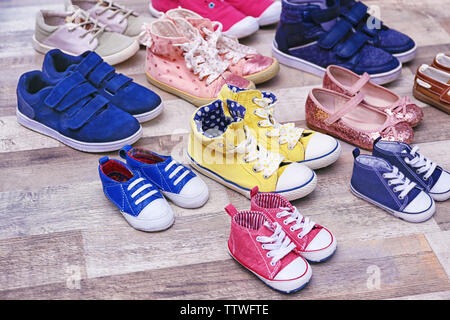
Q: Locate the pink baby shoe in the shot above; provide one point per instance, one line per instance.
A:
(265, 250)
(181, 62)
(244, 61)
(265, 11)
(235, 23)
(345, 81)
(314, 242)
(352, 120)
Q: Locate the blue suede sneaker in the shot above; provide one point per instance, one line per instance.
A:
(127, 95)
(140, 203)
(378, 182)
(381, 36)
(177, 182)
(311, 36)
(427, 174)
(72, 111)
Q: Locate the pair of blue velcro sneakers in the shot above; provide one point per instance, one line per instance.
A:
(400, 180)
(138, 187)
(82, 102)
(314, 34)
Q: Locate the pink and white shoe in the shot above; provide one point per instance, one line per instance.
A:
(345, 81)
(243, 61)
(314, 242)
(264, 249)
(265, 11)
(235, 23)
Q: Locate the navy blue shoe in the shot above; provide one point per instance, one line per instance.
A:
(429, 176)
(140, 203)
(378, 182)
(381, 36)
(72, 111)
(127, 95)
(177, 182)
(311, 36)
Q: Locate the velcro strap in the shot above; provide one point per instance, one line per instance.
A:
(346, 108)
(63, 88)
(352, 45)
(116, 83)
(89, 63)
(445, 96)
(100, 73)
(356, 13)
(76, 95)
(85, 113)
(323, 15)
(359, 84)
(335, 35)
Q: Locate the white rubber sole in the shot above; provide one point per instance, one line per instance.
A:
(407, 56)
(440, 196)
(410, 217)
(243, 28)
(303, 65)
(155, 225)
(197, 202)
(322, 255)
(271, 15)
(324, 161)
(78, 145)
(285, 286)
(154, 12)
(111, 59)
(290, 195)
(143, 117)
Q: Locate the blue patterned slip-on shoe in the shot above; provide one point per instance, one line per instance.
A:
(378, 182)
(396, 43)
(311, 36)
(72, 111)
(129, 96)
(427, 174)
(177, 182)
(140, 203)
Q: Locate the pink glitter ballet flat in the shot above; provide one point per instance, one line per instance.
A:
(344, 81)
(352, 120)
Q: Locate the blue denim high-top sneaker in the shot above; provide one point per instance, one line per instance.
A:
(381, 36)
(311, 36)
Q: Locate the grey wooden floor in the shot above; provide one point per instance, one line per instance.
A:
(60, 238)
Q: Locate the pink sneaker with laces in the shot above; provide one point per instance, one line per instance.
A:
(181, 62)
(314, 242)
(264, 249)
(235, 23)
(244, 61)
(265, 11)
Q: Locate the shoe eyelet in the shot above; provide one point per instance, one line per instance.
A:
(389, 183)
(394, 189)
(285, 222)
(268, 255)
(384, 175)
(425, 178)
(298, 236)
(291, 228)
(401, 198)
(258, 239)
(258, 124)
(254, 170)
(272, 264)
(266, 177)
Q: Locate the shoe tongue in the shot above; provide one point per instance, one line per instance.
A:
(185, 28)
(235, 133)
(79, 16)
(200, 23)
(266, 230)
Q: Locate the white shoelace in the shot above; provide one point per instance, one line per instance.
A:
(95, 29)
(401, 183)
(115, 8)
(203, 59)
(299, 222)
(140, 190)
(278, 245)
(230, 47)
(265, 161)
(286, 133)
(419, 163)
(174, 172)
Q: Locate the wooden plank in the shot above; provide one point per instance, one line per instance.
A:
(439, 242)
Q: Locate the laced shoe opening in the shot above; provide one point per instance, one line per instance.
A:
(116, 171)
(250, 220)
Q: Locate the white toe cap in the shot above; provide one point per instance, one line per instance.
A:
(443, 183)
(157, 215)
(294, 175)
(243, 28)
(322, 240)
(293, 270)
(320, 145)
(420, 203)
(194, 194)
(271, 15)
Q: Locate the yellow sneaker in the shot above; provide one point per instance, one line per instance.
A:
(314, 149)
(223, 148)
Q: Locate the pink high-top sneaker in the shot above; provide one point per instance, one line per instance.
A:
(235, 23)
(244, 61)
(265, 11)
(181, 62)
(264, 249)
(314, 242)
